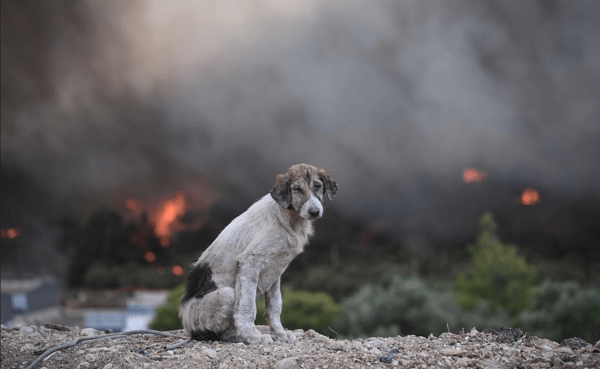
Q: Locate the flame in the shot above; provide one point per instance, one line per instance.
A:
(530, 197)
(166, 217)
(471, 175)
(150, 257)
(9, 233)
(177, 269)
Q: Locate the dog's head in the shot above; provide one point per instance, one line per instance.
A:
(302, 188)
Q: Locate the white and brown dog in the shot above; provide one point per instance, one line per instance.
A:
(249, 257)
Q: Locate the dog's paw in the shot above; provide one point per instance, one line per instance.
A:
(285, 336)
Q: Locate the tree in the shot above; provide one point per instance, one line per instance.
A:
(498, 274)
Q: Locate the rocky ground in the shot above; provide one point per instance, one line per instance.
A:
(506, 348)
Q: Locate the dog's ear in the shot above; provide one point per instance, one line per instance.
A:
(281, 191)
(331, 186)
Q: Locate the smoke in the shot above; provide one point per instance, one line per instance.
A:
(99, 98)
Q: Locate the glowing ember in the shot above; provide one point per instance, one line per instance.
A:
(166, 218)
(150, 257)
(471, 175)
(134, 206)
(530, 197)
(177, 270)
(9, 233)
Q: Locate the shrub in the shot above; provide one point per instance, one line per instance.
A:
(405, 306)
(499, 275)
(167, 316)
(301, 309)
(304, 310)
(563, 310)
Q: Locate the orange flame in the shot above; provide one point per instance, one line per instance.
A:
(9, 233)
(471, 175)
(177, 269)
(166, 217)
(150, 257)
(530, 197)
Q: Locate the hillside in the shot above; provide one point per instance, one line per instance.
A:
(507, 348)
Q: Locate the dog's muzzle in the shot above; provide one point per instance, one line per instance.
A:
(312, 209)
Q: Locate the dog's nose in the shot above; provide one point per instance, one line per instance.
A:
(314, 213)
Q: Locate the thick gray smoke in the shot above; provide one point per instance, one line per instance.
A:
(101, 97)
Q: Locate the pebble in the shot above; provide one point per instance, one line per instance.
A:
(108, 366)
(89, 332)
(452, 352)
(210, 353)
(90, 358)
(287, 363)
(26, 330)
(27, 347)
(564, 350)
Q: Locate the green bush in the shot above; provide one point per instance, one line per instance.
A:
(301, 309)
(563, 310)
(167, 316)
(405, 306)
(304, 310)
(498, 276)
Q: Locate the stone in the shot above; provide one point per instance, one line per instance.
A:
(210, 353)
(451, 352)
(287, 363)
(89, 332)
(563, 350)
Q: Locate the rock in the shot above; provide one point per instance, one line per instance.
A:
(431, 336)
(575, 343)
(57, 327)
(26, 330)
(452, 352)
(210, 353)
(90, 358)
(27, 347)
(108, 366)
(473, 332)
(492, 364)
(463, 361)
(337, 345)
(564, 350)
(89, 332)
(287, 363)
(509, 335)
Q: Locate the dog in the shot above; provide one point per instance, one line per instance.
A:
(248, 258)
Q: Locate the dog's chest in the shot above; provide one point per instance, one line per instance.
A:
(275, 267)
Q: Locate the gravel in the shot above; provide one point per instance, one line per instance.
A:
(505, 348)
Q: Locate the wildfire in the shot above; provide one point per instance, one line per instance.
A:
(471, 175)
(150, 257)
(9, 233)
(530, 197)
(165, 218)
(177, 270)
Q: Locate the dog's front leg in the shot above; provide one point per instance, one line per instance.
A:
(273, 307)
(245, 304)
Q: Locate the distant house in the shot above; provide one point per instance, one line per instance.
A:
(30, 301)
(141, 310)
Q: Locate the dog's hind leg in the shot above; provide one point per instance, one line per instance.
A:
(209, 317)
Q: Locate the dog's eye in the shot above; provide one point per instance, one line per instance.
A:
(317, 186)
(299, 190)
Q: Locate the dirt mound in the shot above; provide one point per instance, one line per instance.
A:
(506, 348)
